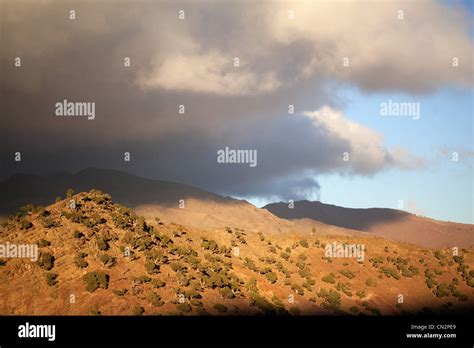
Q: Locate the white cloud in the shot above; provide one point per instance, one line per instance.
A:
(412, 54)
(211, 72)
(367, 153)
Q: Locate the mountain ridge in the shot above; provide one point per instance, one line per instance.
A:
(384, 222)
(175, 202)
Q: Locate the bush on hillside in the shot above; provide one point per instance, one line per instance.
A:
(46, 261)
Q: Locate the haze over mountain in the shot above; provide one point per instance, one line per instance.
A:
(173, 202)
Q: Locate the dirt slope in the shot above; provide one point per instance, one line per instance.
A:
(102, 258)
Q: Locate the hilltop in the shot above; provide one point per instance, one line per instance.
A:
(100, 257)
(201, 209)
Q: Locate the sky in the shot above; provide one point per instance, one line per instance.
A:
(336, 63)
(441, 188)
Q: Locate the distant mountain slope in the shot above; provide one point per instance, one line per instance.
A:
(388, 223)
(358, 219)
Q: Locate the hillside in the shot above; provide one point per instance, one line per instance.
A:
(151, 198)
(102, 258)
(173, 202)
(393, 224)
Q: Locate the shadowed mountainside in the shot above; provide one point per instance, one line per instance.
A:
(388, 223)
(127, 189)
(357, 219)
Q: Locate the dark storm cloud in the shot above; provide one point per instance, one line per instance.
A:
(186, 62)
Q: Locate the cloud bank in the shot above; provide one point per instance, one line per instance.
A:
(293, 53)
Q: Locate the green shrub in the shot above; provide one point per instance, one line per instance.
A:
(77, 234)
(329, 279)
(390, 272)
(277, 301)
(43, 243)
(431, 282)
(304, 243)
(95, 312)
(345, 288)
(305, 272)
(138, 310)
(93, 220)
(184, 307)
(271, 277)
(220, 308)
(354, 309)
(157, 283)
(177, 267)
(95, 280)
(459, 295)
(442, 290)
(151, 267)
(80, 261)
(226, 292)
(439, 255)
(25, 224)
(51, 279)
(155, 299)
(361, 294)
(250, 265)
(261, 303)
(144, 279)
(46, 261)
(120, 292)
(346, 273)
(49, 222)
(371, 282)
(332, 298)
(376, 261)
(409, 271)
(107, 260)
(102, 244)
(296, 287)
(284, 255)
(370, 308)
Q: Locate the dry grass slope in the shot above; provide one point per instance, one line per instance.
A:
(102, 258)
